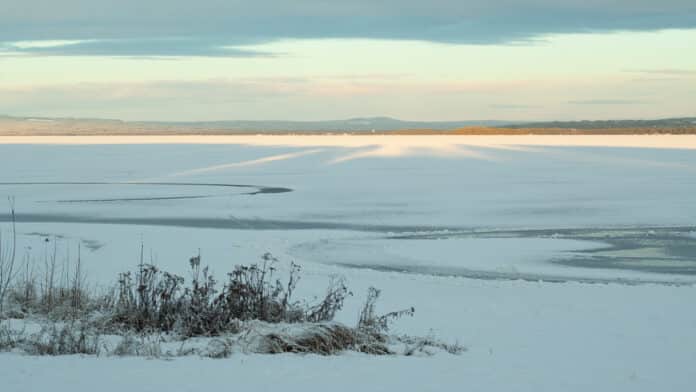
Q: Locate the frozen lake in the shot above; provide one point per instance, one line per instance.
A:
(535, 208)
(498, 242)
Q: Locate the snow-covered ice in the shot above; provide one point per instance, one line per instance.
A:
(406, 203)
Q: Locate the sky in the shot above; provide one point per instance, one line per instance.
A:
(180, 60)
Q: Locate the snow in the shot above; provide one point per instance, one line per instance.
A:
(520, 336)
(350, 196)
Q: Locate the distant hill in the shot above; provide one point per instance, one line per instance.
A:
(45, 125)
(366, 124)
(671, 123)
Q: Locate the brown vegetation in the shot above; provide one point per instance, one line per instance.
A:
(252, 312)
(489, 131)
(83, 127)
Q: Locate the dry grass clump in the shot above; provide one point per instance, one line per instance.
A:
(253, 311)
(145, 345)
(52, 339)
(10, 337)
(86, 336)
(322, 339)
(8, 258)
(371, 322)
(156, 300)
(216, 349)
(53, 289)
(370, 336)
(67, 339)
(415, 345)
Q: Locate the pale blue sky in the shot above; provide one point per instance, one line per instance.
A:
(312, 59)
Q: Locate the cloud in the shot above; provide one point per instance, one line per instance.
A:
(511, 106)
(161, 47)
(182, 27)
(240, 89)
(330, 98)
(608, 102)
(158, 92)
(665, 71)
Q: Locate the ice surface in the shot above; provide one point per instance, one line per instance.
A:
(363, 201)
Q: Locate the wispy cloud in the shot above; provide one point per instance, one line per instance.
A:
(162, 47)
(665, 71)
(164, 90)
(298, 97)
(211, 89)
(608, 102)
(509, 106)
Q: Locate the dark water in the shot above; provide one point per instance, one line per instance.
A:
(664, 250)
(254, 190)
(494, 275)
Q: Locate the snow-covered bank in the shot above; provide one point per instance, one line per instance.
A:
(521, 336)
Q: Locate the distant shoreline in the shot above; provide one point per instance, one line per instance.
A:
(18, 126)
(468, 131)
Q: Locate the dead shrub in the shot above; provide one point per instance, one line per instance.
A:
(219, 348)
(160, 301)
(375, 324)
(151, 301)
(68, 339)
(143, 345)
(10, 338)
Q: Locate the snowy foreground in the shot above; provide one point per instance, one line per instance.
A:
(406, 215)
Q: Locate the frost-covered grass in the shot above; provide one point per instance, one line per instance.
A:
(254, 311)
